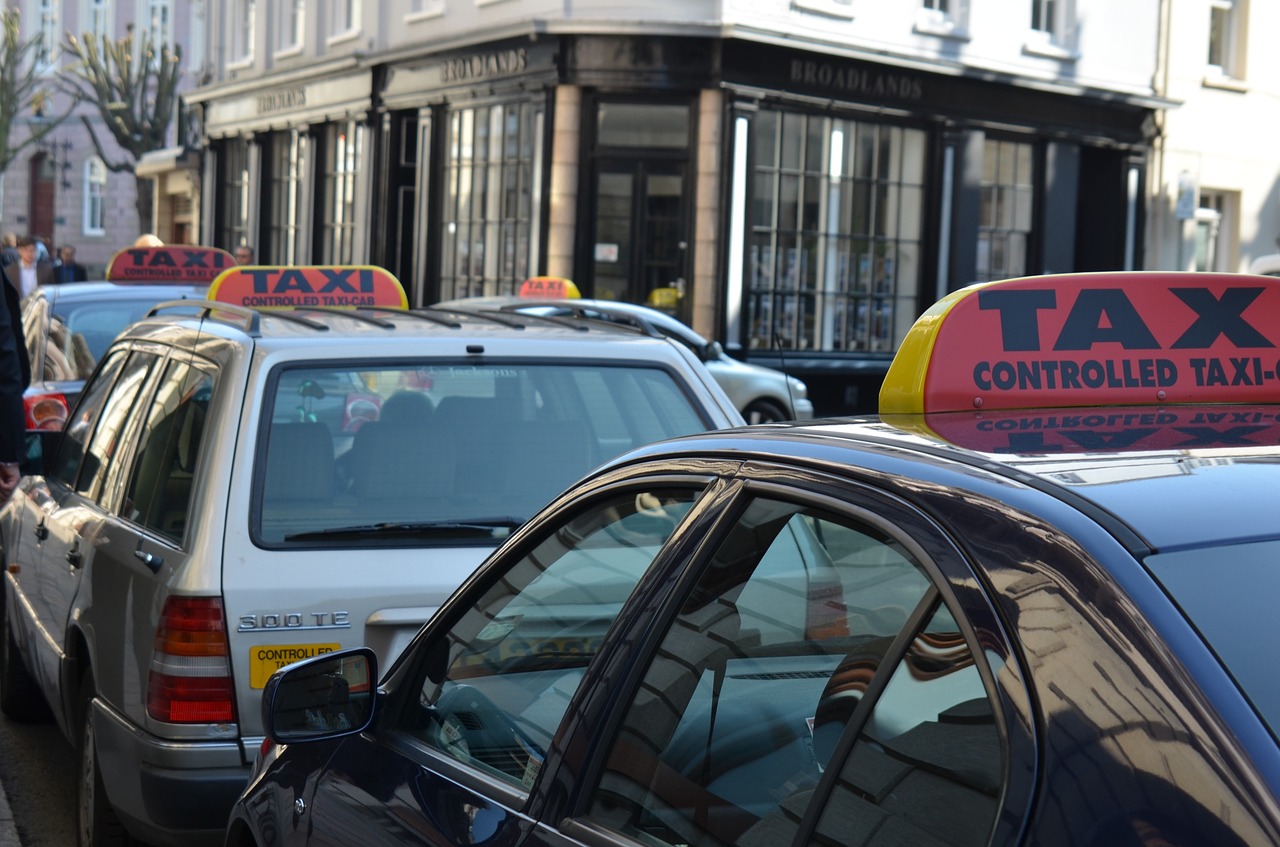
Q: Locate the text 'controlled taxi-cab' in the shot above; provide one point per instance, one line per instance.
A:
(67, 326)
(298, 465)
(1030, 603)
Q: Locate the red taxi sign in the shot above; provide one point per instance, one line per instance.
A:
(178, 263)
(1092, 339)
(302, 286)
(549, 288)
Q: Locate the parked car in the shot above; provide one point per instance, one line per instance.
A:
(763, 395)
(1028, 604)
(238, 488)
(68, 326)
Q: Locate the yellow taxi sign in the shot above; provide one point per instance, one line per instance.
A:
(303, 286)
(175, 263)
(549, 288)
(266, 659)
(1138, 338)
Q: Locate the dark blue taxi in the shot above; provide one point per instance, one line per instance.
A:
(1027, 604)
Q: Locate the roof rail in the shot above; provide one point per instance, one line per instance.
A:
(250, 319)
(592, 312)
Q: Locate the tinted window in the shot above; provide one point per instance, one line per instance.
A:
(499, 684)
(66, 465)
(108, 439)
(481, 445)
(165, 469)
(750, 707)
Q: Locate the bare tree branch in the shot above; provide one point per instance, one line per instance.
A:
(23, 92)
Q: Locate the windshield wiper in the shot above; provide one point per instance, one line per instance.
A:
(476, 527)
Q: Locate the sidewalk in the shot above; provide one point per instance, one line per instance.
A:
(8, 831)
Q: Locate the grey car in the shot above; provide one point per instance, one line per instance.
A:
(763, 395)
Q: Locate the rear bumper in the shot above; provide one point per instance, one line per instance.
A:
(166, 792)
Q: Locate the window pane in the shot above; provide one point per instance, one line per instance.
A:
(512, 662)
(108, 436)
(642, 125)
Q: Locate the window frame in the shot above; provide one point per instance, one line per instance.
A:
(1225, 36)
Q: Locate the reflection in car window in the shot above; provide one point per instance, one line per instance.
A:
(66, 464)
(419, 445)
(745, 705)
(165, 471)
(500, 682)
(107, 436)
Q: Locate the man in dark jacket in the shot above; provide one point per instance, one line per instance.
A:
(67, 269)
(28, 272)
(15, 376)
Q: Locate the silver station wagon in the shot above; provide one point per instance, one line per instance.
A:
(241, 488)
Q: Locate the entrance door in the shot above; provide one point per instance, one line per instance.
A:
(41, 213)
(641, 232)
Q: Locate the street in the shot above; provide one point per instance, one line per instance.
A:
(38, 772)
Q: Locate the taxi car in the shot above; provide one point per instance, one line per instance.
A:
(763, 395)
(298, 465)
(67, 326)
(1029, 603)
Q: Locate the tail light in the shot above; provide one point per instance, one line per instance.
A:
(45, 411)
(190, 679)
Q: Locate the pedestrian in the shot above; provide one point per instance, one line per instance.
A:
(244, 255)
(15, 376)
(8, 248)
(28, 272)
(67, 268)
(147, 239)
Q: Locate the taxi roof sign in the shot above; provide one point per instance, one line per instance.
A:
(308, 286)
(549, 288)
(1092, 339)
(174, 263)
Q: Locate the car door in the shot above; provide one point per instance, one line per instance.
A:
(483, 693)
(816, 679)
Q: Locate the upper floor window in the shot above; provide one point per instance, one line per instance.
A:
(346, 19)
(157, 17)
(242, 30)
(943, 17)
(47, 48)
(1051, 31)
(95, 191)
(95, 19)
(1225, 29)
(292, 21)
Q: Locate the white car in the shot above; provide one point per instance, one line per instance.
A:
(763, 395)
(238, 489)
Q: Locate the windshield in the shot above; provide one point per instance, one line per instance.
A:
(446, 454)
(1229, 594)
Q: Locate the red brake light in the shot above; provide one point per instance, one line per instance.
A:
(45, 411)
(190, 678)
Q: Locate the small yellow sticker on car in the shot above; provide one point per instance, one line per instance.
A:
(269, 658)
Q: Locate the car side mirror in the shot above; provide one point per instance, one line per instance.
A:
(325, 697)
(40, 448)
(713, 350)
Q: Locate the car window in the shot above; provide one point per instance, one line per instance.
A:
(480, 445)
(108, 438)
(79, 426)
(757, 693)
(165, 470)
(497, 687)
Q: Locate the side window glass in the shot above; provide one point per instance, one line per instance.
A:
(35, 313)
(79, 426)
(749, 702)
(164, 470)
(498, 685)
(106, 441)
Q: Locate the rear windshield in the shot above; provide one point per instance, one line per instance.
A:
(448, 454)
(1230, 595)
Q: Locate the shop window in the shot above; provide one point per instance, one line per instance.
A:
(233, 193)
(1226, 29)
(284, 166)
(1005, 225)
(837, 211)
(96, 15)
(344, 148)
(947, 18)
(1215, 230)
(491, 199)
(95, 190)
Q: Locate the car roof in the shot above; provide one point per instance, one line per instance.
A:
(657, 318)
(97, 290)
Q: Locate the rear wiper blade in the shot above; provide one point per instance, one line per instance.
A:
(464, 529)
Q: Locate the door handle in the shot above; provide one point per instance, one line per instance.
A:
(42, 531)
(155, 563)
(74, 556)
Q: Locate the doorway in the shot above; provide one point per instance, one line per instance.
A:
(42, 213)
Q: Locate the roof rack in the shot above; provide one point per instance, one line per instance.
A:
(592, 312)
(250, 319)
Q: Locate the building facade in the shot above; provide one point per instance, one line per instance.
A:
(64, 191)
(798, 179)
